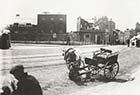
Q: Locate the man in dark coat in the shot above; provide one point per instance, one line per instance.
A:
(5, 41)
(68, 40)
(128, 42)
(27, 84)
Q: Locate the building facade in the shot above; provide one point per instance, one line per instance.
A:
(50, 27)
(137, 28)
(83, 24)
(94, 36)
(23, 32)
(53, 25)
(103, 35)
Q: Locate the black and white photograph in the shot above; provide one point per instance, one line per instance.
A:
(69, 47)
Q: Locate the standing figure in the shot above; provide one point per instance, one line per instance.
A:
(68, 40)
(27, 84)
(5, 40)
(128, 42)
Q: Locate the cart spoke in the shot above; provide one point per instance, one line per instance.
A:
(111, 71)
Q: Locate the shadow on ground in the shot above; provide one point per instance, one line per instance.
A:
(102, 79)
(119, 80)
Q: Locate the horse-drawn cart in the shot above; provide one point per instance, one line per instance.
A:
(103, 60)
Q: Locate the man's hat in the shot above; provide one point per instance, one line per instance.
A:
(17, 68)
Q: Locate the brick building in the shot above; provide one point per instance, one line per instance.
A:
(94, 36)
(49, 27)
(23, 32)
(52, 25)
(87, 33)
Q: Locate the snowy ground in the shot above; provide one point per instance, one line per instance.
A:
(46, 63)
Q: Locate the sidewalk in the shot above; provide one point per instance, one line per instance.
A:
(114, 88)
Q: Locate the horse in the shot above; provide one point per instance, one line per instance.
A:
(75, 64)
(71, 56)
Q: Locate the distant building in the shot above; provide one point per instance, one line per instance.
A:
(52, 24)
(23, 32)
(105, 24)
(115, 39)
(104, 33)
(137, 28)
(121, 37)
(49, 27)
(129, 33)
(83, 24)
(94, 36)
(111, 25)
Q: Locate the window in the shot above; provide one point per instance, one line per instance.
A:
(54, 35)
(61, 19)
(16, 32)
(52, 18)
(87, 35)
(16, 24)
(28, 24)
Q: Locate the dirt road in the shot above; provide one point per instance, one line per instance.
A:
(47, 65)
(54, 79)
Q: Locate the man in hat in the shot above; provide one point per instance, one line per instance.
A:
(27, 84)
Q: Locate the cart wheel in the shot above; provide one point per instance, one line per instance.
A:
(111, 71)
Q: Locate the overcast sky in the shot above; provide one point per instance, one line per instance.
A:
(124, 12)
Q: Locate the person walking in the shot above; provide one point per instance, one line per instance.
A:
(27, 84)
(68, 40)
(128, 42)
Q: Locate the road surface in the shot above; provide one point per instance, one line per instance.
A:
(46, 63)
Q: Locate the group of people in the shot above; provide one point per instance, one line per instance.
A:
(23, 84)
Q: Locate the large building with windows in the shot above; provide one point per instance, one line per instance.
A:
(53, 25)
